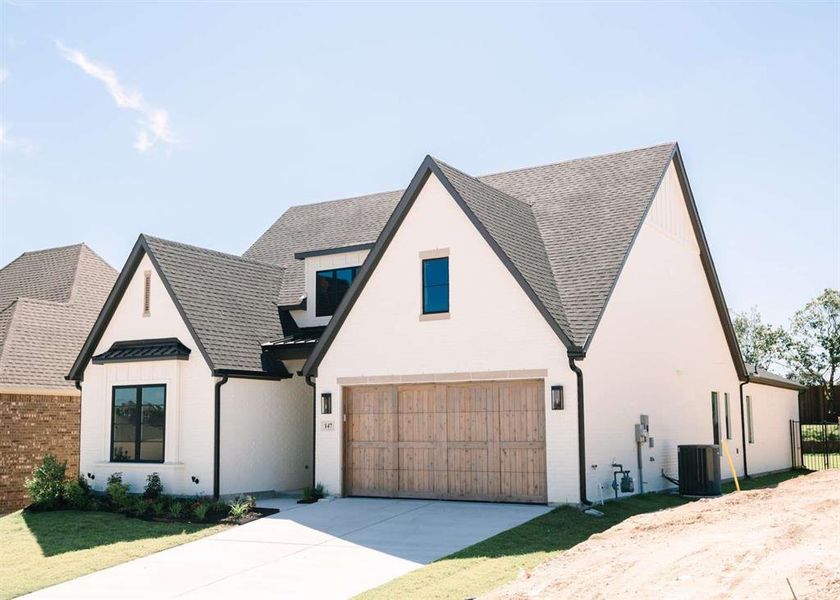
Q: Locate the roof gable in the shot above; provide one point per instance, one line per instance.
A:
(227, 303)
(51, 300)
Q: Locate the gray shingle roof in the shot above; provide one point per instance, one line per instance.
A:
(587, 212)
(761, 375)
(228, 301)
(50, 301)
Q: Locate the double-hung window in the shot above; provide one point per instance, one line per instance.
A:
(138, 423)
(330, 287)
(435, 285)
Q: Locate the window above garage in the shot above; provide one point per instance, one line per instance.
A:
(330, 287)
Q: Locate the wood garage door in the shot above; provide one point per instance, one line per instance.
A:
(464, 441)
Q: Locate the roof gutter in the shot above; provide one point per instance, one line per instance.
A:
(581, 427)
(309, 382)
(217, 433)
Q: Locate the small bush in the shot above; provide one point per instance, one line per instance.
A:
(117, 491)
(175, 509)
(200, 510)
(77, 494)
(240, 507)
(154, 487)
(311, 494)
(158, 507)
(46, 486)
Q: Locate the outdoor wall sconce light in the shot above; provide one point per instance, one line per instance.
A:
(326, 404)
(556, 397)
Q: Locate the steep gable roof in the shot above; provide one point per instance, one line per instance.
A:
(50, 300)
(587, 214)
(227, 302)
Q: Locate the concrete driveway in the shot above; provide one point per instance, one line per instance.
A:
(326, 550)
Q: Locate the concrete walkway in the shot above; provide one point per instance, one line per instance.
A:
(326, 550)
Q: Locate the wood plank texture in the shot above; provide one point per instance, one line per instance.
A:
(465, 441)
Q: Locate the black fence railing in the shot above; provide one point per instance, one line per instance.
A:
(815, 446)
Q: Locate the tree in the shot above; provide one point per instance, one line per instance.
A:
(812, 347)
(761, 343)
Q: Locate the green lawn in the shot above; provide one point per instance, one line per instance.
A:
(42, 549)
(498, 560)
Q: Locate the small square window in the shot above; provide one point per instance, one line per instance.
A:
(435, 285)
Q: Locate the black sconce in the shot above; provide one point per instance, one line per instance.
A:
(556, 397)
(326, 404)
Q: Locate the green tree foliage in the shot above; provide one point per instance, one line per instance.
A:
(761, 343)
(812, 348)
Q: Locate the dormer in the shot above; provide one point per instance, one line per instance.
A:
(328, 274)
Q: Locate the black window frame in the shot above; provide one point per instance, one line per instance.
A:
(424, 286)
(715, 419)
(138, 425)
(354, 273)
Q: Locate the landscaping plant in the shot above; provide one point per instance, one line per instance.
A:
(46, 487)
(313, 494)
(117, 491)
(200, 509)
(77, 494)
(240, 507)
(154, 487)
(175, 509)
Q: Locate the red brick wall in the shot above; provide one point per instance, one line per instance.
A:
(30, 427)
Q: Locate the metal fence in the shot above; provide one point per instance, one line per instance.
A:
(815, 446)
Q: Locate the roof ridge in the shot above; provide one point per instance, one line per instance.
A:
(480, 182)
(578, 159)
(345, 199)
(217, 253)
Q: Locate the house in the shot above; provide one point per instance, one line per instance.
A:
(484, 338)
(49, 300)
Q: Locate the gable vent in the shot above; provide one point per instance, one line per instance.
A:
(147, 293)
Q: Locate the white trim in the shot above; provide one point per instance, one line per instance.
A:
(441, 377)
(138, 466)
(436, 253)
(434, 316)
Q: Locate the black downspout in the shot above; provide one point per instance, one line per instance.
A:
(581, 436)
(217, 434)
(314, 423)
(743, 429)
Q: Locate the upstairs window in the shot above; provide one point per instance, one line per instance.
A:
(138, 423)
(435, 285)
(330, 287)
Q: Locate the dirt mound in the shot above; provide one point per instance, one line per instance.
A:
(745, 545)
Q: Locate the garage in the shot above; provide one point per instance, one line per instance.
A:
(460, 441)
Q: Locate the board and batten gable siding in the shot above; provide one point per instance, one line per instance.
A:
(188, 446)
(659, 350)
(773, 408)
(266, 437)
(493, 329)
(313, 264)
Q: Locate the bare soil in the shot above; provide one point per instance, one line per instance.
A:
(756, 544)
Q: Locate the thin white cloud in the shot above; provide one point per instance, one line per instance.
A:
(4, 74)
(154, 122)
(15, 143)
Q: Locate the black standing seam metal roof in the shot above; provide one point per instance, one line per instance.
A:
(154, 349)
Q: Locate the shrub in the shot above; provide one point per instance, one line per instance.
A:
(117, 491)
(175, 509)
(46, 487)
(77, 493)
(154, 487)
(311, 494)
(158, 507)
(200, 510)
(240, 507)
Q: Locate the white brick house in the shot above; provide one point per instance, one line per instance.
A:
(451, 333)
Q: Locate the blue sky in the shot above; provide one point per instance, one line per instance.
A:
(203, 123)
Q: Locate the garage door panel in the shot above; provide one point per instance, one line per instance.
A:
(472, 441)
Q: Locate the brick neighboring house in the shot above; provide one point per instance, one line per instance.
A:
(49, 300)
